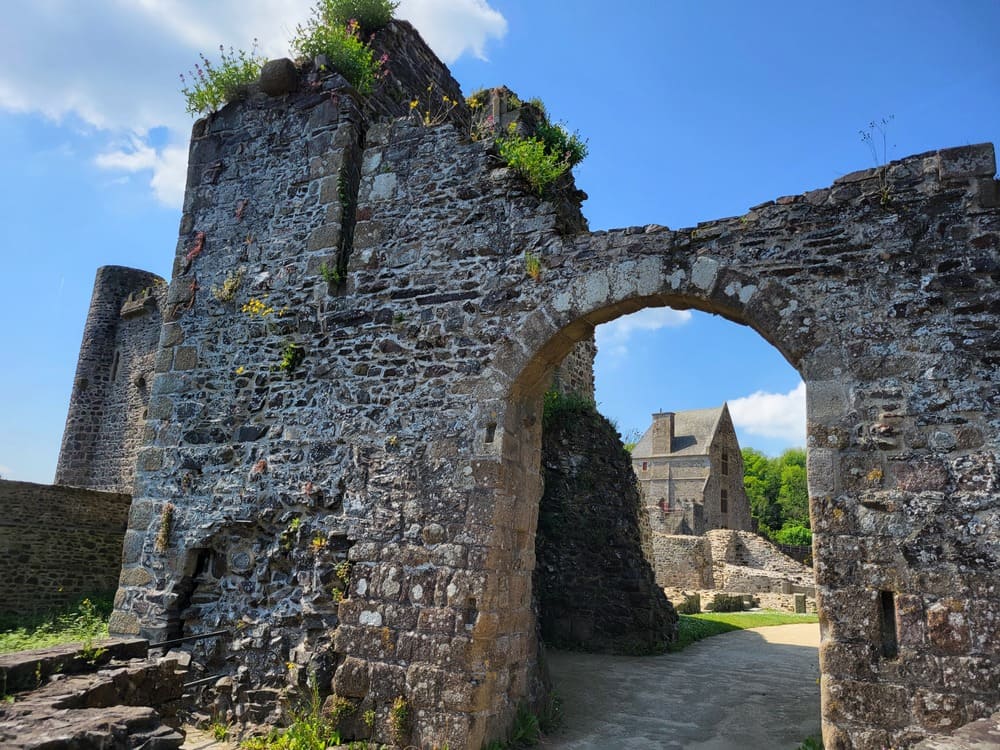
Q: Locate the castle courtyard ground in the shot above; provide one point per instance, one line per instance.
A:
(749, 689)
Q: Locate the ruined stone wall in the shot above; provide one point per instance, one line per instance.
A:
(682, 561)
(107, 408)
(595, 589)
(57, 544)
(575, 374)
(748, 550)
(404, 431)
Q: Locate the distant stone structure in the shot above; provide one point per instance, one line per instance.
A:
(114, 372)
(690, 470)
(57, 544)
(343, 473)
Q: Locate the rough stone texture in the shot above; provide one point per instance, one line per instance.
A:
(728, 560)
(982, 734)
(408, 437)
(57, 544)
(575, 374)
(690, 473)
(278, 77)
(595, 589)
(107, 407)
(24, 670)
(109, 709)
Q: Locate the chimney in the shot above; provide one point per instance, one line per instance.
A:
(663, 432)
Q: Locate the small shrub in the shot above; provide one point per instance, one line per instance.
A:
(212, 86)
(331, 274)
(525, 730)
(309, 728)
(556, 404)
(531, 160)
(344, 48)
(727, 603)
(558, 140)
(291, 357)
(372, 15)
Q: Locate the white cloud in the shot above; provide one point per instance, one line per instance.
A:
(114, 64)
(454, 27)
(5, 472)
(612, 338)
(773, 415)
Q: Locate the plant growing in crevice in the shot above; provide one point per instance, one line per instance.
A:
(543, 158)
(213, 85)
(257, 308)
(874, 136)
(431, 108)
(331, 274)
(291, 357)
(231, 285)
(533, 265)
(399, 720)
(166, 525)
(339, 43)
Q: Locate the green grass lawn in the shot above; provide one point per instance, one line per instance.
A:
(87, 621)
(693, 628)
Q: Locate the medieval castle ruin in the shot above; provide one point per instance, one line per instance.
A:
(342, 472)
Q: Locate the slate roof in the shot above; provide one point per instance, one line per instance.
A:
(693, 433)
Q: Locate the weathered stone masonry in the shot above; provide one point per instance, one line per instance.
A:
(111, 388)
(57, 544)
(407, 439)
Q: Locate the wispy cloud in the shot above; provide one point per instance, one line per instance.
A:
(773, 415)
(114, 65)
(613, 338)
(454, 27)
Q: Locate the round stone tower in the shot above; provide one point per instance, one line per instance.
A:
(110, 388)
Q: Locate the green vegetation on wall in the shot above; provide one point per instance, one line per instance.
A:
(779, 500)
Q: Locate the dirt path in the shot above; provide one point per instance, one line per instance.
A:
(749, 689)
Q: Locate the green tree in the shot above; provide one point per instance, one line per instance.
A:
(776, 489)
(793, 497)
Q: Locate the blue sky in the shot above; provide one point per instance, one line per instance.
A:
(693, 111)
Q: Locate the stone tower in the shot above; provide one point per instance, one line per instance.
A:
(114, 372)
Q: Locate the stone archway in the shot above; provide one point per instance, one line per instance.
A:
(875, 307)
(403, 438)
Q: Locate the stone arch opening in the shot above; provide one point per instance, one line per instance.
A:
(522, 419)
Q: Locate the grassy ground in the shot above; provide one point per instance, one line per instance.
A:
(695, 627)
(85, 621)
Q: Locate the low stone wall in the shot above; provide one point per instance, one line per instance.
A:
(57, 544)
(780, 602)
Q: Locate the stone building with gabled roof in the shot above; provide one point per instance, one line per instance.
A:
(690, 471)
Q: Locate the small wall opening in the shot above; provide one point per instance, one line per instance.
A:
(887, 624)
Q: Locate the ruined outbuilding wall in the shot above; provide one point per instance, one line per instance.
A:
(575, 374)
(595, 589)
(393, 419)
(57, 544)
(107, 408)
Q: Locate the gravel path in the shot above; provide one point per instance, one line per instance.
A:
(747, 689)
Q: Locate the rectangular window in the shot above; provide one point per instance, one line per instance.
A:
(724, 502)
(644, 466)
(725, 464)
